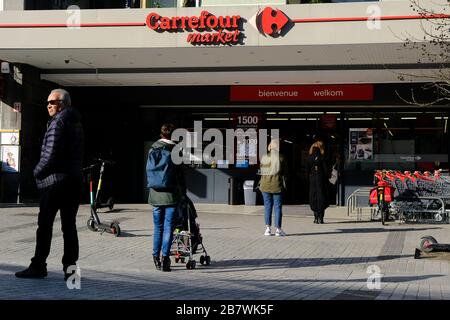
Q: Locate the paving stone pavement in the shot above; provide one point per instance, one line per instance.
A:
(337, 260)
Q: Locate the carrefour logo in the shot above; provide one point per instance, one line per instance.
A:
(211, 29)
(270, 21)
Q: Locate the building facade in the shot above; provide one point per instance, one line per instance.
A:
(342, 72)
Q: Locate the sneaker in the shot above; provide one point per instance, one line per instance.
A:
(280, 233)
(268, 232)
(32, 273)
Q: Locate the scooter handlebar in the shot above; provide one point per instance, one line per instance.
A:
(98, 161)
(109, 162)
(90, 167)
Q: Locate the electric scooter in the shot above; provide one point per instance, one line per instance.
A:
(94, 223)
(429, 244)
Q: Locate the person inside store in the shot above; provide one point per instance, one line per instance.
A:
(318, 181)
(272, 184)
(59, 180)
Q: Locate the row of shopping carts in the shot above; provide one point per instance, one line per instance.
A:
(420, 197)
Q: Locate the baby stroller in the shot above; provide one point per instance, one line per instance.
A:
(187, 239)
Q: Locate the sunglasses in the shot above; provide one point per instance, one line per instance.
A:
(53, 102)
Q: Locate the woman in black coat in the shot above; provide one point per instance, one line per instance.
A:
(318, 181)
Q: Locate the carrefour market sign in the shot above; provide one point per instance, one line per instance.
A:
(210, 29)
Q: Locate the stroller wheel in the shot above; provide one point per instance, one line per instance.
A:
(91, 225)
(208, 260)
(190, 265)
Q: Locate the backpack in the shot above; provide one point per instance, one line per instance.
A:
(161, 171)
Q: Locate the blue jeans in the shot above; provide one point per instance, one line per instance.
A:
(163, 222)
(272, 200)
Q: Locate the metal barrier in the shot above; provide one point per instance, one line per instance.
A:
(353, 203)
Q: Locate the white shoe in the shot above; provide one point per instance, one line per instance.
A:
(280, 233)
(268, 232)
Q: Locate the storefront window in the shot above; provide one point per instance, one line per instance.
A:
(397, 141)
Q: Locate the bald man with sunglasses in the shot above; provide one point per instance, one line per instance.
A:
(59, 180)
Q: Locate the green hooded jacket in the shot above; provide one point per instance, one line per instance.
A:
(274, 172)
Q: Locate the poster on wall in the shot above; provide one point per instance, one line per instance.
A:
(10, 159)
(361, 144)
(9, 137)
(246, 146)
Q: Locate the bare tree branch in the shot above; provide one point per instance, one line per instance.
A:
(433, 48)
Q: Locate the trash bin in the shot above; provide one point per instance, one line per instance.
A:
(249, 194)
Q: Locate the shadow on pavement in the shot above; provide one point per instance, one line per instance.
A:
(361, 230)
(99, 285)
(388, 279)
(127, 234)
(117, 210)
(265, 264)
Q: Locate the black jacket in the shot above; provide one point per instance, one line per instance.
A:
(62, 149)
(318, 182)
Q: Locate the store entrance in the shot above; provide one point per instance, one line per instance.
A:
(297, 131)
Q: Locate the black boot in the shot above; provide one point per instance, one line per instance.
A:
(166, 264)
(32, 272)
(157, 262)
(321, 214)
(316, 219)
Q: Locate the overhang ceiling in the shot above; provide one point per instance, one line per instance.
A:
(363, 63)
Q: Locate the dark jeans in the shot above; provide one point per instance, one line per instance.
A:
(65, 197)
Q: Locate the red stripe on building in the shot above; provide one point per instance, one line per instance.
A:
(350, 92)
(65, 25)
(142, 24)
(434, 16)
